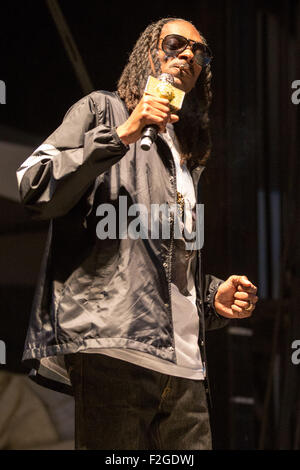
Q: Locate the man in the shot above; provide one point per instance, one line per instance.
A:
(127, 316)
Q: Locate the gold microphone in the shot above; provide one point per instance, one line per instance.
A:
(162, 88)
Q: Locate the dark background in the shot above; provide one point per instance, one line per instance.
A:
(252, 221)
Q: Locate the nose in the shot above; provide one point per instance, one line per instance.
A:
(187, 54)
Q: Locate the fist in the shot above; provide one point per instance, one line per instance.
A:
(236, 298)
(151, 110)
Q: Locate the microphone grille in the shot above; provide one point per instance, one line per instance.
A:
(166, 77)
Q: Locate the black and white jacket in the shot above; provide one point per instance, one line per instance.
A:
(96, 293)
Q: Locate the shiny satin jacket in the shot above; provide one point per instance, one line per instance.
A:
(96, 293)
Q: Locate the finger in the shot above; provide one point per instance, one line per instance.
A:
(150, 115)
(156, 107)
(246, 283)
(157, 103)
(156, 116)
(252, 289)
(174, 118)
(240, 279)
(246, 296)
(149, 110)
(242, 304)
(160, 107)
(241, 313)
(165, 118)
(148, 97)
(160, 121)
(236, 308)
(249, 309)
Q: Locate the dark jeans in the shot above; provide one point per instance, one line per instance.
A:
(121, 406)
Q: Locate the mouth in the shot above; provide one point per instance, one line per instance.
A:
(183, 68)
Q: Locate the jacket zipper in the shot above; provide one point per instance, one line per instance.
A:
(171, 220)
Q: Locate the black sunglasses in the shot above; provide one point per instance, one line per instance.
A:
(174, 44)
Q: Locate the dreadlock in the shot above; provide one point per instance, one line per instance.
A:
(192, 129)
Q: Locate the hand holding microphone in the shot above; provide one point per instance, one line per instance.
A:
(152, 110)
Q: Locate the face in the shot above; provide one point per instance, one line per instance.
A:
(187, 76)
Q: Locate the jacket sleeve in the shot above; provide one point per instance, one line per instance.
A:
(54, 178)
(212, 319)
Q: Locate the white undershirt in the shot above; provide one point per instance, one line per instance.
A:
(184, 311)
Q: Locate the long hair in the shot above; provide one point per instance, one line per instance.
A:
(192, 129)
